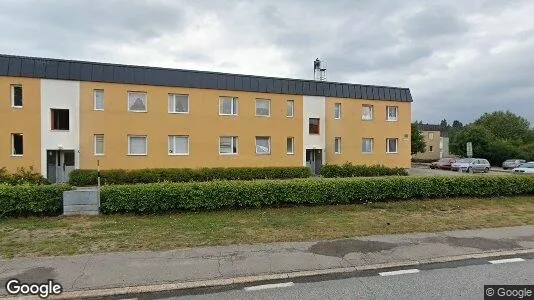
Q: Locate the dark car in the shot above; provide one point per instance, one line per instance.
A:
(444, 163)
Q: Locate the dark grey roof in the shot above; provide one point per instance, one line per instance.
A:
(19, 66)
(430, 127)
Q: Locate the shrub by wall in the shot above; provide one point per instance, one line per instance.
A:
(22, 176)
(171, 197)
(31, 200)
(84, 177)
(349, 170)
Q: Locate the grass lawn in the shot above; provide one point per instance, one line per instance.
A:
(28, 237)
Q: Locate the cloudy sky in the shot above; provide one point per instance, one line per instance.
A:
(460, 58)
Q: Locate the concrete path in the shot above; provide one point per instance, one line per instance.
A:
(115, 270)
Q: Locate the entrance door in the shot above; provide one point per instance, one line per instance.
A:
(314, 160)
(59, 165)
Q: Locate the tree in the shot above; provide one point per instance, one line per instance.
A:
(444, 124)
(478, 135)
(418, 141)
(457, 124)
(505, 125)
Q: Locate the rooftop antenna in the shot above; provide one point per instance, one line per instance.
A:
(319, 70)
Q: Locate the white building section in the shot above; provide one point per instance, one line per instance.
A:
(314, 108)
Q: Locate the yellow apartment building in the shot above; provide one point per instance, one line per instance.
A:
(60, 115)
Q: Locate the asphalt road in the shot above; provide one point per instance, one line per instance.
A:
(449, 282)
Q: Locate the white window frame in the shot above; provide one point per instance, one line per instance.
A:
(13, 144)
(12, 88)
(173, 137)
(431, 136)
(128, 101)
(235, 106)
(172, 98)
(256, 145)
(146, 145)
(256, 107)
(235, 141)
(396, 108)
(372, 145)
(95, 92)
(292, 103)
(103, 144)
(337, 111)
(396, 146)
(292, 140)
(337, 144)
(364, 117)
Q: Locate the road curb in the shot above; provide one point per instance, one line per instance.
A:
(248, 279)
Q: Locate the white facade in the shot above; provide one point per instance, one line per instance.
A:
(59, 94)
(314, 107)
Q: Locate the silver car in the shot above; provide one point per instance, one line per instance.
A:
(471, 165)
(512, 163)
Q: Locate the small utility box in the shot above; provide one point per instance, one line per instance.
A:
(82, 201)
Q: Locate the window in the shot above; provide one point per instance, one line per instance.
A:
(263, 145)
(263, 107)
(430, 149)
(391, 145)
(337, 145)
(98, 99)
(290, 108)
(392, 113)
(314, 125)
(178, 145)
(17, 145)
(16, 95)
(337, 111)
(60, 119)
(137, 102)
(99, 144)
(178, 104)
(367, 145)
(367, 112)
(290, 144)
(228, 145)
(137, 145)
(430, 135)
(227, 106)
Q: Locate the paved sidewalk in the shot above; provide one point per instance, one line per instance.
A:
(111, 270)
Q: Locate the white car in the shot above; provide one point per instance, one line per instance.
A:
(526, 168)
(471, 165)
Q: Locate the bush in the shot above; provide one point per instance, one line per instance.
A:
(171, 197)
(22, 176)
(349, 170)
(31, 200)
(89, 177)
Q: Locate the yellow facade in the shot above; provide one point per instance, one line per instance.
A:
(432, 149)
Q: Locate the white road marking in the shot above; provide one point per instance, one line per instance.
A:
(399, 272)
(269, 286)
(508, 260)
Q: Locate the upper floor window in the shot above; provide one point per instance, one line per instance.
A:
(367, 112)
(228, 106)
(314, 125)
(60, 119)
(178, 103)
(263, 107)
(430, 135)
(337, 111)
(290, 108)
(16, 95)
(98, 99)
(137, 101)
(392, 112)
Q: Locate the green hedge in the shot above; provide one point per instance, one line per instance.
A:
(85, 177)
(21, 176)
(31, 200)
(349, 170)
(171, 197)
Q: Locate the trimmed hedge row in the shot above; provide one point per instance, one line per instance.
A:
(171, 197)
(85, 177)
(349, 170)
(31, 200)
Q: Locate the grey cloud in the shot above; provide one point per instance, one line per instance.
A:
(434, 21)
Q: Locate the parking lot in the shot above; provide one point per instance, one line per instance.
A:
(424, 170)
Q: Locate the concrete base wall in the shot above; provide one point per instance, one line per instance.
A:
(84, 201)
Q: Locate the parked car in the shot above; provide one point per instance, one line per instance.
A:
(526, 168)
(444, 163)
(512, 163)
(471, 165)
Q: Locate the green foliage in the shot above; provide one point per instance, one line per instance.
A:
(22, 176)
(349, 170)
(215, 195)
(85, 177)
(505, 125)
(418, 142)
(31, 200)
